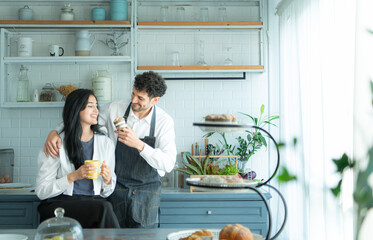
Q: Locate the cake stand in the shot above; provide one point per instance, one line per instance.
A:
(235, 127)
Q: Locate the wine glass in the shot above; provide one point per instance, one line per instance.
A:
(228, 61)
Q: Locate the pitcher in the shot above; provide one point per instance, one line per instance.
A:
(83, 44)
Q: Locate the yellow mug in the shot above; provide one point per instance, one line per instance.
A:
(97, 164)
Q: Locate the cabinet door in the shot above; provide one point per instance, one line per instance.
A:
(16, 215)
(214, 214)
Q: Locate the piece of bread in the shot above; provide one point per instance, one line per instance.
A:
(117, 120)
(220, 118)
(235, 232)
(197, 235)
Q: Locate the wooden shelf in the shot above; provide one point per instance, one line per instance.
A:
(230, 23)
(58, 23)
(231, 67)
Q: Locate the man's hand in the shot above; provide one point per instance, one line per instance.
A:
(128, 136)
(52, 145)
(105, 173)
(82, 172)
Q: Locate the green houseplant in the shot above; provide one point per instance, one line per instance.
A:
(253, 141)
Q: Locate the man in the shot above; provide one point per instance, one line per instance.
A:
(145, 150)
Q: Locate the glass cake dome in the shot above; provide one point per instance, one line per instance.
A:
(59, 228)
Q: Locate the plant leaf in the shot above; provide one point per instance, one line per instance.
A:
(342, 163)
(285, 176)
(337, 190)
(185, 170)
(262, 109)
(195, 162)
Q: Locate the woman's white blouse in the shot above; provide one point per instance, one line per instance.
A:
(52, 176)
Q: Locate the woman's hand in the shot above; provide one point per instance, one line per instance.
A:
(82, 172)
(105, 173)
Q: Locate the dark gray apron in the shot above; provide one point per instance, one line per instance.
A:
(137, 194)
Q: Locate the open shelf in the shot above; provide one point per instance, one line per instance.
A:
(67, 59)
(63, 24)
(231, 67)
(228, 24)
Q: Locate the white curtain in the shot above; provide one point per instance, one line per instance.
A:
(316, 79)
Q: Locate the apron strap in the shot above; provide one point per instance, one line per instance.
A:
(152, 124)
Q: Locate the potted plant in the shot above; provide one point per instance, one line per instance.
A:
(246, 146)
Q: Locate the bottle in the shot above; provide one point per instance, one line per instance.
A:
(23, 85)
(67, 13)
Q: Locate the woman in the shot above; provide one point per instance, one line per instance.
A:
(63, 182)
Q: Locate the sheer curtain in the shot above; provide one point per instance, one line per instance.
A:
(316, 81)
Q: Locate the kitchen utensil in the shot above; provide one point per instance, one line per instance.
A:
(180, 14)
(118, 10)
(48, 93)
(23, 85)
(163, 14)
(59, 227)
(25, 13)
(204, 14)
(13, 237)
(101, 85)
(67, 13)
(83, 43)
(98, 14)
(25, 47)
(56, 51)
(222, 14)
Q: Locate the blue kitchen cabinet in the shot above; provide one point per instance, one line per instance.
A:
(19, 211)
(181, 209)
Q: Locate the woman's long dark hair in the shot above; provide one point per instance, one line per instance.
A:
(76, 102)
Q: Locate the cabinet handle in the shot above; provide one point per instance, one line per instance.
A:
(209, 212)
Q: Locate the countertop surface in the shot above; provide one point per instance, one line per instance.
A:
(108, 234)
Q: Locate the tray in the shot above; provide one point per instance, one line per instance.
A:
(215, 232)
(14, 185)
(221, 126)
(197, 182)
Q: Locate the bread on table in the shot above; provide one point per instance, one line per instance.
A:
(235, 232)
(197, 235)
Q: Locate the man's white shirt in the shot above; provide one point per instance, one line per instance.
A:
(163, 156)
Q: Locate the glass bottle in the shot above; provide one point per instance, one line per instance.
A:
(23, 85)
(67, 13)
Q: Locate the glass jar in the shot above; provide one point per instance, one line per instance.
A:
(59, 227)
(23, 85)
(67, 13)
(48, 93)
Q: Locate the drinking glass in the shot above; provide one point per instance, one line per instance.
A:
(175, 59)
(228, 61)
(204, 14)
(201, 49)
(222, 14)
(180, 14)
(163, 13)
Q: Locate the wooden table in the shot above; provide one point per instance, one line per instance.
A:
(108, 234)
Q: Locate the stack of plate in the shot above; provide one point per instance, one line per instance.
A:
(15, 187)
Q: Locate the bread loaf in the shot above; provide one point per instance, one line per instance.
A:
(197, 235)
(235, 232)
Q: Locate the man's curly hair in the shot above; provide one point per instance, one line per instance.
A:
(152, 83)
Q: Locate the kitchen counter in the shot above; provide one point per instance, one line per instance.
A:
(108, 234)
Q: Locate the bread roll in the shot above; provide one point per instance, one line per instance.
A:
(197, 235)
(235, 232)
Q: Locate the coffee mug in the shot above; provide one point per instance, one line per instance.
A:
(54, 51)
(97, 164)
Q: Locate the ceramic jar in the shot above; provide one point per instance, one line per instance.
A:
(25, 13)
(118, 10)
(101, 85)
(98, 14)
(83, 43)
(25, 47)
(67, 13)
